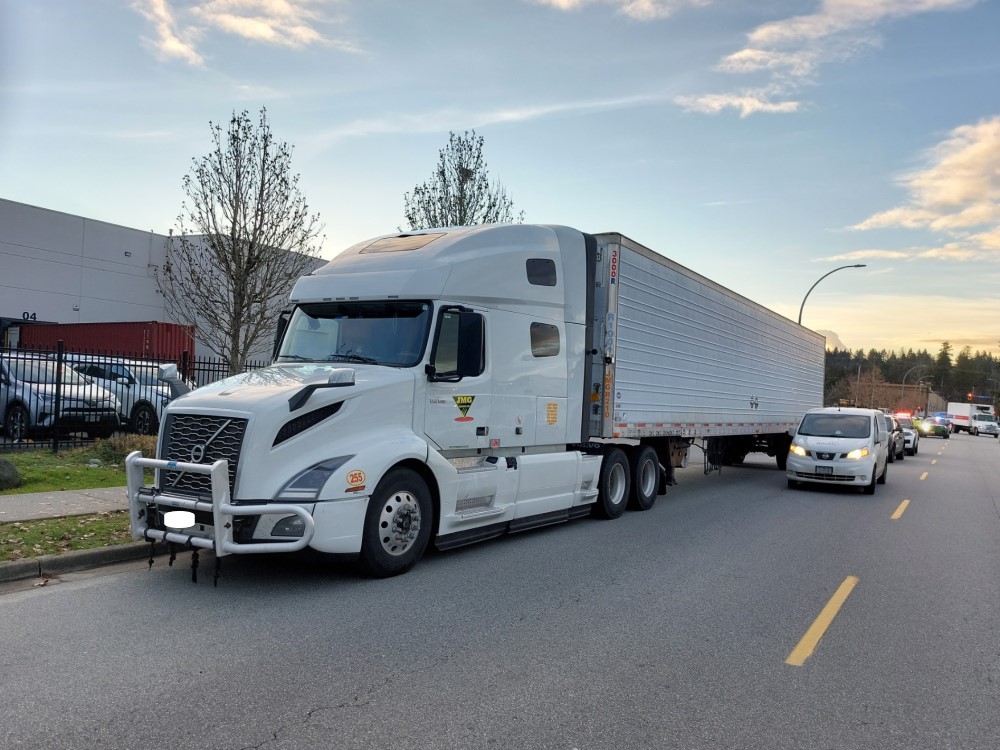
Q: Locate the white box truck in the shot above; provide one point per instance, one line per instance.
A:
(976, 419)
(448, 386)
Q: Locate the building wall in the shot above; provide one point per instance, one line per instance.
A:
(61, 268)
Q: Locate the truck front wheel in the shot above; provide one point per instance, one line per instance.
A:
(397, 524)
(613, 488)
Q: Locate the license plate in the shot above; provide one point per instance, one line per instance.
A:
(824, 470)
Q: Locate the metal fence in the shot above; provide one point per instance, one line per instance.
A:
(51, 398)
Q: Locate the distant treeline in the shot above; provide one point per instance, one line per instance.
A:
(953, 377)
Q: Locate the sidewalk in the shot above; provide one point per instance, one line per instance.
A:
(40, 505)
(37, 505)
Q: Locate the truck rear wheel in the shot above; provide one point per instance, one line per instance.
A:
(613, 487)
(397, 524)
(645, 477)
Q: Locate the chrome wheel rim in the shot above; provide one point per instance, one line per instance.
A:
(616, 485)
(399, 523)
(647, 478)
(16, 425)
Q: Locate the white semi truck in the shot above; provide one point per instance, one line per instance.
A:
(448, 386)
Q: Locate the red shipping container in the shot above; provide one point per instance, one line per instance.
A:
(150, 340)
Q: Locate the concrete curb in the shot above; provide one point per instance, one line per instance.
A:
(53, 565)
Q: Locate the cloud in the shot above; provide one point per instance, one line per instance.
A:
(452, 119)
(789, 52)
(283, 23)
(865, 255)
(746, 103)
(956, 192)
(642, 10)
(169, 42)
(833, 341)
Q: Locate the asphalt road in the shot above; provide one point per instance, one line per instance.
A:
(666, 629)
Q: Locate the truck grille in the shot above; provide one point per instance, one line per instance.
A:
(200, 439)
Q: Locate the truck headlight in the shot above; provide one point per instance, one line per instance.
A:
(306, 486)
(857, 454)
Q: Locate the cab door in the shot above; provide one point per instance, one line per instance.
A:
(459, 388)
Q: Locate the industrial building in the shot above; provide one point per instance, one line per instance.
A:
(60, 268)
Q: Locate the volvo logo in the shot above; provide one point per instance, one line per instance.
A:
(198, 453)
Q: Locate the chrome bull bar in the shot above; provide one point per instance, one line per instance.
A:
(141, 496)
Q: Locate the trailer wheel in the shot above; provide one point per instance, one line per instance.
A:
(397, 524)
(613, 489)
(645, 477)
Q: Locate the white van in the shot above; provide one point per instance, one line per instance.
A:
(849, 447)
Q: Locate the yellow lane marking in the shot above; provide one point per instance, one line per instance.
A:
(811, 639)
(899, 511)
(923, 476)
(933, 461)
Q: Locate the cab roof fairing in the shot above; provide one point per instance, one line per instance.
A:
(483, 264)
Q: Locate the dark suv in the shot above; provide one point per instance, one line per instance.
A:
(897, 441)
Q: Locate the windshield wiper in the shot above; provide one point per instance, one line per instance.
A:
(298, 357)
(352, 358)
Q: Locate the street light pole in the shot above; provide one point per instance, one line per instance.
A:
(841, 268)
(902, 385)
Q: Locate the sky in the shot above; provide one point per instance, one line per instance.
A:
(761, 143)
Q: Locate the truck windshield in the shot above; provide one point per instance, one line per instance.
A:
(380, 333)
(985, 418)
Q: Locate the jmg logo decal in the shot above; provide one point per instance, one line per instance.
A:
(464, 403)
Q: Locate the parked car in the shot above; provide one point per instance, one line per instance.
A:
(142, 388)
(911, 435)
(935, 427)
(844, 446)
(897, 441)
(28, 389)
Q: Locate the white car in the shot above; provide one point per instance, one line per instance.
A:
(34, 398)
(911, 435)
(846, 447)
(143, 388)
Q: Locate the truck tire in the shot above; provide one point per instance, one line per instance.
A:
(613, 486)
(645, 466)
(398, 524)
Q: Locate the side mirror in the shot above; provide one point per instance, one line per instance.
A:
(279, 332)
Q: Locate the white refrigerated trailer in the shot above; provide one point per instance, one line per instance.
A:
(450, 385)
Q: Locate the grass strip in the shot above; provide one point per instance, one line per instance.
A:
(20, 540)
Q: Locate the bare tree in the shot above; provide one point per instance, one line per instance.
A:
(459, 193)
(245, 236)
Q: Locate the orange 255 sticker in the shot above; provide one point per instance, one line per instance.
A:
(356, 477)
